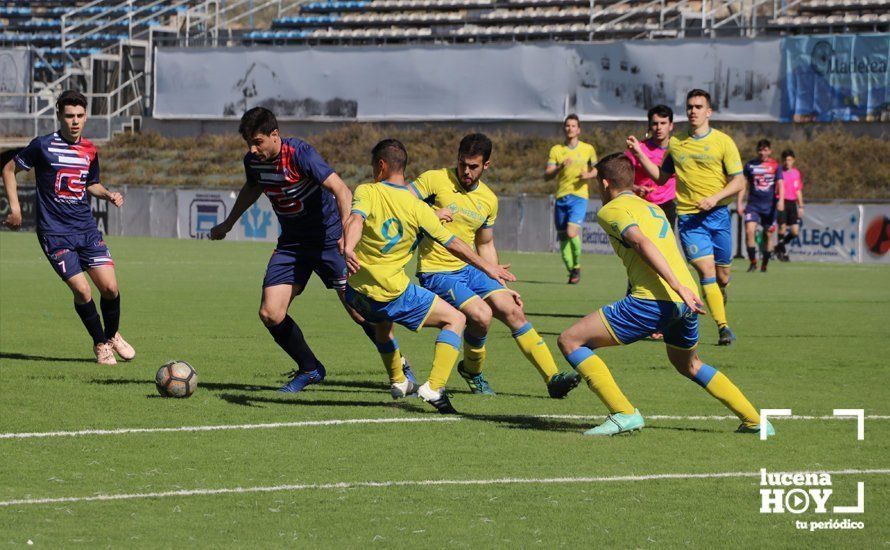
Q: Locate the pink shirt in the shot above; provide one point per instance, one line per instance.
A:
(793, 184)
(660, 193)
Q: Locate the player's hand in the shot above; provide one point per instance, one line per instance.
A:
(218, 232)
(633, 145)
(780, 206)
(14, 220)
(566, 162)
(691, 300)
(501, 274)
(641, 190)
(341, 244)
(516, 297)
(444, 214)
(352, 263)
(116, 199)
(707, 203)
(800, 211)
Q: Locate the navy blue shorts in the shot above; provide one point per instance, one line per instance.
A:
(75, 253)
(410, 309)
(707, 234)
(762, 217)
(294, 266)
(459, 287)
(631, 319)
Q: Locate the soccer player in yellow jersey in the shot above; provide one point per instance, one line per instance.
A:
(469, 209)
(571, 163)
(709, 172)
(661, 299)
(381, 234)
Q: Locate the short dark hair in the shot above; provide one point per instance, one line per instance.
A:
(572, 116)
(763, 143)
(70, 97)
(661, 110)
(698, 92)
(393, 152)
(618, 169)
(788, 153)
(258, 120)
(475, 144)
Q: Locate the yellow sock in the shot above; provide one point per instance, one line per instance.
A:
(474, 353)
(714, 299)
(600, 380)
(447, 350)
(535, 350)
(392, 360)
(718, 385)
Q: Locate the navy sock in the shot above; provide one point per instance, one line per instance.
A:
(766, 256)
(752, 253)
(787, 238)
(111, 315)
(91, 320)
(289, 336)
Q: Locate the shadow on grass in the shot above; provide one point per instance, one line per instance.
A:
(533, 282)
(285, 399)
(556, 315)
(24, 357)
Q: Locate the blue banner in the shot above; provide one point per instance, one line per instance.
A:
(836, 78)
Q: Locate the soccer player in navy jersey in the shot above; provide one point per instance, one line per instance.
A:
(762, 199)
(66, 167)
(311, 202)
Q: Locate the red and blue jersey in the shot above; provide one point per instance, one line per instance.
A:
(63, 172)
(762, 176)
(292, 181)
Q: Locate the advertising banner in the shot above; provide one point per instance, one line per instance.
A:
(836, 77)
(199, 211)
(15, 78)
(829, 233)
(603, 81)
(876, 233)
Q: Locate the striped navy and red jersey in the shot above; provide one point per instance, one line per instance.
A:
(63, 172)
(292, 181)
(762, 176)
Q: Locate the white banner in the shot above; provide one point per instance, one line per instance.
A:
(876, 233)
(829, 233)
(199, 211)
(593, 239)
(15, 78)
(617, 81)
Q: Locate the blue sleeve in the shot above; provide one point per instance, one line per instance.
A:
(310, 162)
(93, 173)
(747, 170)
(667, 164)
(779, 174)
(27, 157)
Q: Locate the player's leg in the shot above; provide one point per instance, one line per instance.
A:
(687, 363)
(751, 240)
(105, 279)
(507, 309)
(451, 322)
(578, 344)
(576, 212)
(561, 219)
(768, 222)
(720, 227)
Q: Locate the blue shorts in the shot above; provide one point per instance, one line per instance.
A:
(569, 209)
(707, 234)
(763, 217)
(410, 309)
(459, 287)
(631, 319)
(75, 253)
(294, 266)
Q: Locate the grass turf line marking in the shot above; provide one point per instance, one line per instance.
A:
(266, 426)
(407, 483)
(717, 417)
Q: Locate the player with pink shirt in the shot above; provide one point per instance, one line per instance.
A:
(661, 124)
(789, 217)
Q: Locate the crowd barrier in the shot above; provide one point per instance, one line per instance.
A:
(845, 233)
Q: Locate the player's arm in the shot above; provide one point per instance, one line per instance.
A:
(248, 195)
(485, 245)
(553, 166)
(800, 201)
(736, 184)
(740, 201)
(655, 259)
(100, 192)
(342, 195)
(14, 219)
(590, 173)
(461, 250)
(352, 233)
(659, 176)
(780, 204)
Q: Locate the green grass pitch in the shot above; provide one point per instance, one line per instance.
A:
(812, 338)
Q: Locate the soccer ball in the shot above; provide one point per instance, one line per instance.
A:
(176, 379)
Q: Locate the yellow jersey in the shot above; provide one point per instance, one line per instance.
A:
(394, 219)
(470, 211)
(628, 210)
(703, 166)
(568, 179)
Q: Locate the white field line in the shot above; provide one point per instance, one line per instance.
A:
(267, 426)
(408, 483)
(723, 417)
